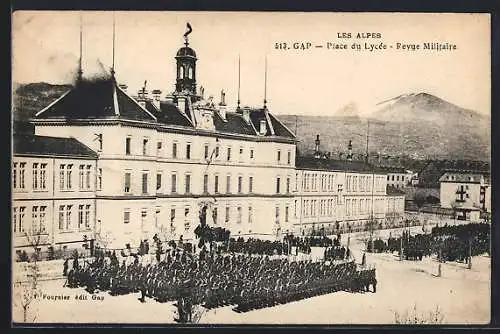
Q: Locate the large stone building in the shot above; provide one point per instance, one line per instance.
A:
(159, 164)
(161, 161)
(338, 196)
(469, 194)
(53, 192)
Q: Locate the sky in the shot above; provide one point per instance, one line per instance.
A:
(317, 81)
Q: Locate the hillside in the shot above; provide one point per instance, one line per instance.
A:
(420, 125)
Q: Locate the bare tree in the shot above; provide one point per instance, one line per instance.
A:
(26, 291)
(413, 317)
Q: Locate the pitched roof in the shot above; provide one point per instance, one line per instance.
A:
(393, 191)
(308, 162)
(51, 146)
(393, 169)
(95, 99)
(461, 177)
(168, 114)
(234, 123)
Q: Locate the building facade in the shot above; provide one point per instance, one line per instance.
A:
(339, 196)
(159, 165)
(469, 194)
(53, 192)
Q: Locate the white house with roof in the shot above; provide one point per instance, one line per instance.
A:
(53, 193)
(468, 193)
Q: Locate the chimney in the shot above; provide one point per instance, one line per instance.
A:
(263, 127)
(246, 114)
(123, 87)
(316, 147)
(181, 104)
(156, 98)
(142, 95)
(222, 105)
(349, 151)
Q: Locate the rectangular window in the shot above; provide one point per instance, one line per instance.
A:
(68, 176)
(250, 215)
(80, 216)
(14, 175)
(278, 181)
(126, 187)
(286, 214)
(144, 183)
(239, 218)
(61, 177)
(188, 151)
(174, 183)
(228, 184)
(145, 146)
(81, 176)
(99, 179)
(174, 150)
(277, 214)
(158, 181)
(227, 214)
(205, 184)
(206, 151)
(214, 216)
(22, 170)
(229, 154)
(22, 209)
(188, 184)
(172, 215)
(35, 176)
(159, 149)
(240, 184)
(251, 153)
(279, 156)
(287, 185)
(216, 184)
(217, 149)
(68, 217)
(87, 176)
(186, 218)
(127, 145)
(241, 154)
(42, 226)
(289, 157)
(61, 217)
(34, 220)
(87, 216)
(250, 184)
(126, 216)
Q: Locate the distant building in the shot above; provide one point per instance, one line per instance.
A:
(398, 177)
(467, 193)
(53, 192)
(430, 174)
(338, 196)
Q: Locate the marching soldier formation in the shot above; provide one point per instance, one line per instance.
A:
(214, 280)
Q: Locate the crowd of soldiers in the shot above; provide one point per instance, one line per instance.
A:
(214, 280)
(336, 253)
(449, 243)
(257, 246)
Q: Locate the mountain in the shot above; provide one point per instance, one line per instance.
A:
(420, 125)
(28, 99)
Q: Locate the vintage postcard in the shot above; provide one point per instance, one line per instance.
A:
(250, 168)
